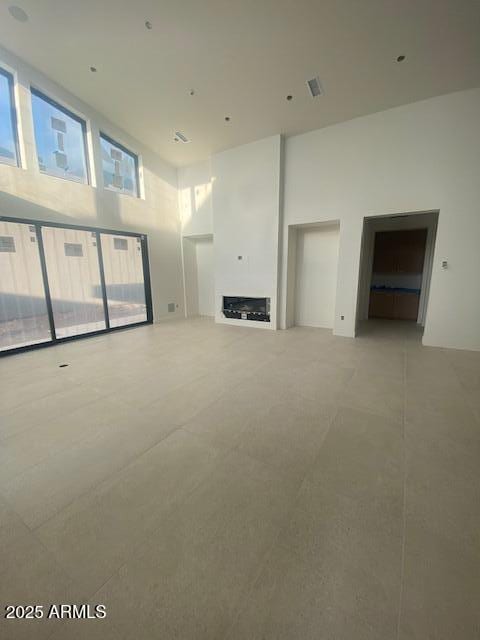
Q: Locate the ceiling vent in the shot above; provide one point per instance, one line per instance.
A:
(315, 87)
(181, 137)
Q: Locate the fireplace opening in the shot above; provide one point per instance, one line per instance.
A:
(243, 308)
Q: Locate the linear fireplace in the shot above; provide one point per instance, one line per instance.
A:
(246, 308)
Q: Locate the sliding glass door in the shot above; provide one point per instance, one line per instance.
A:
(60, 282)
(124, 279)
(74, 279)
(23, 308)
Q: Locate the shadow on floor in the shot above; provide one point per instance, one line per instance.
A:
(391, 330)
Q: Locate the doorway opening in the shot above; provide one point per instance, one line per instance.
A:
(312, 274)
(395, 272)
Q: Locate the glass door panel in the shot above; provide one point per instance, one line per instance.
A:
(71, 257)
(23, 309)
(124, 279)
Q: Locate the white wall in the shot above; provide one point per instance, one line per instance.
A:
(246, 213)
(205, 276)
(189, 252)
(27, 193)
(420, 157)
(195, 199)
(316, 275)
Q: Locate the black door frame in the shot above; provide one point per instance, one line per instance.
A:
(38, 224)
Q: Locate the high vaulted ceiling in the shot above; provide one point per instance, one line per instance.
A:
(242, 58)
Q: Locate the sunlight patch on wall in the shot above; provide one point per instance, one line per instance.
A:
(185, 198)
(202, 192)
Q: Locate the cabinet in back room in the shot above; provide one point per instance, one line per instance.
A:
(397, 273)
(399, 251)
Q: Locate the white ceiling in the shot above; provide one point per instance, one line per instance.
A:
(243, 57)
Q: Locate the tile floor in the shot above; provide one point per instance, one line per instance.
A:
(205, 481)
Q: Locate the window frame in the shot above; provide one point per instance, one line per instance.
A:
(71, 114)
(13, 116)
(130, 153)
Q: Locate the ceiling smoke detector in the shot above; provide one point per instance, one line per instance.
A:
(181, 137)
(315, 87)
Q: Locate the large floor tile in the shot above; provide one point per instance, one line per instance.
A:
(441, 587)
(362, 457)
(44, 489)
(188, 579)
(451, 402)
(288, 436)
(210, 481)
(95, 534)
(375, 393)
(44, 410)
(146, 388)
(29, 447)
(390, 361)
(344, 353)
(23, 389)
(442, 479)
(430, 367)
(183, 404)
(29, 574)
(460, 430)
(318, 380)
(370, 534)
(224, 420)
(292, 599)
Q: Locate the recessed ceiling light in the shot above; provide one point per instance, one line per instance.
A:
(400, 58)
(148, 24)
(93, 69)
(289, 98)
(18, 13)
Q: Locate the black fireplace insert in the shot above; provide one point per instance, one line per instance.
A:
(246, 308)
